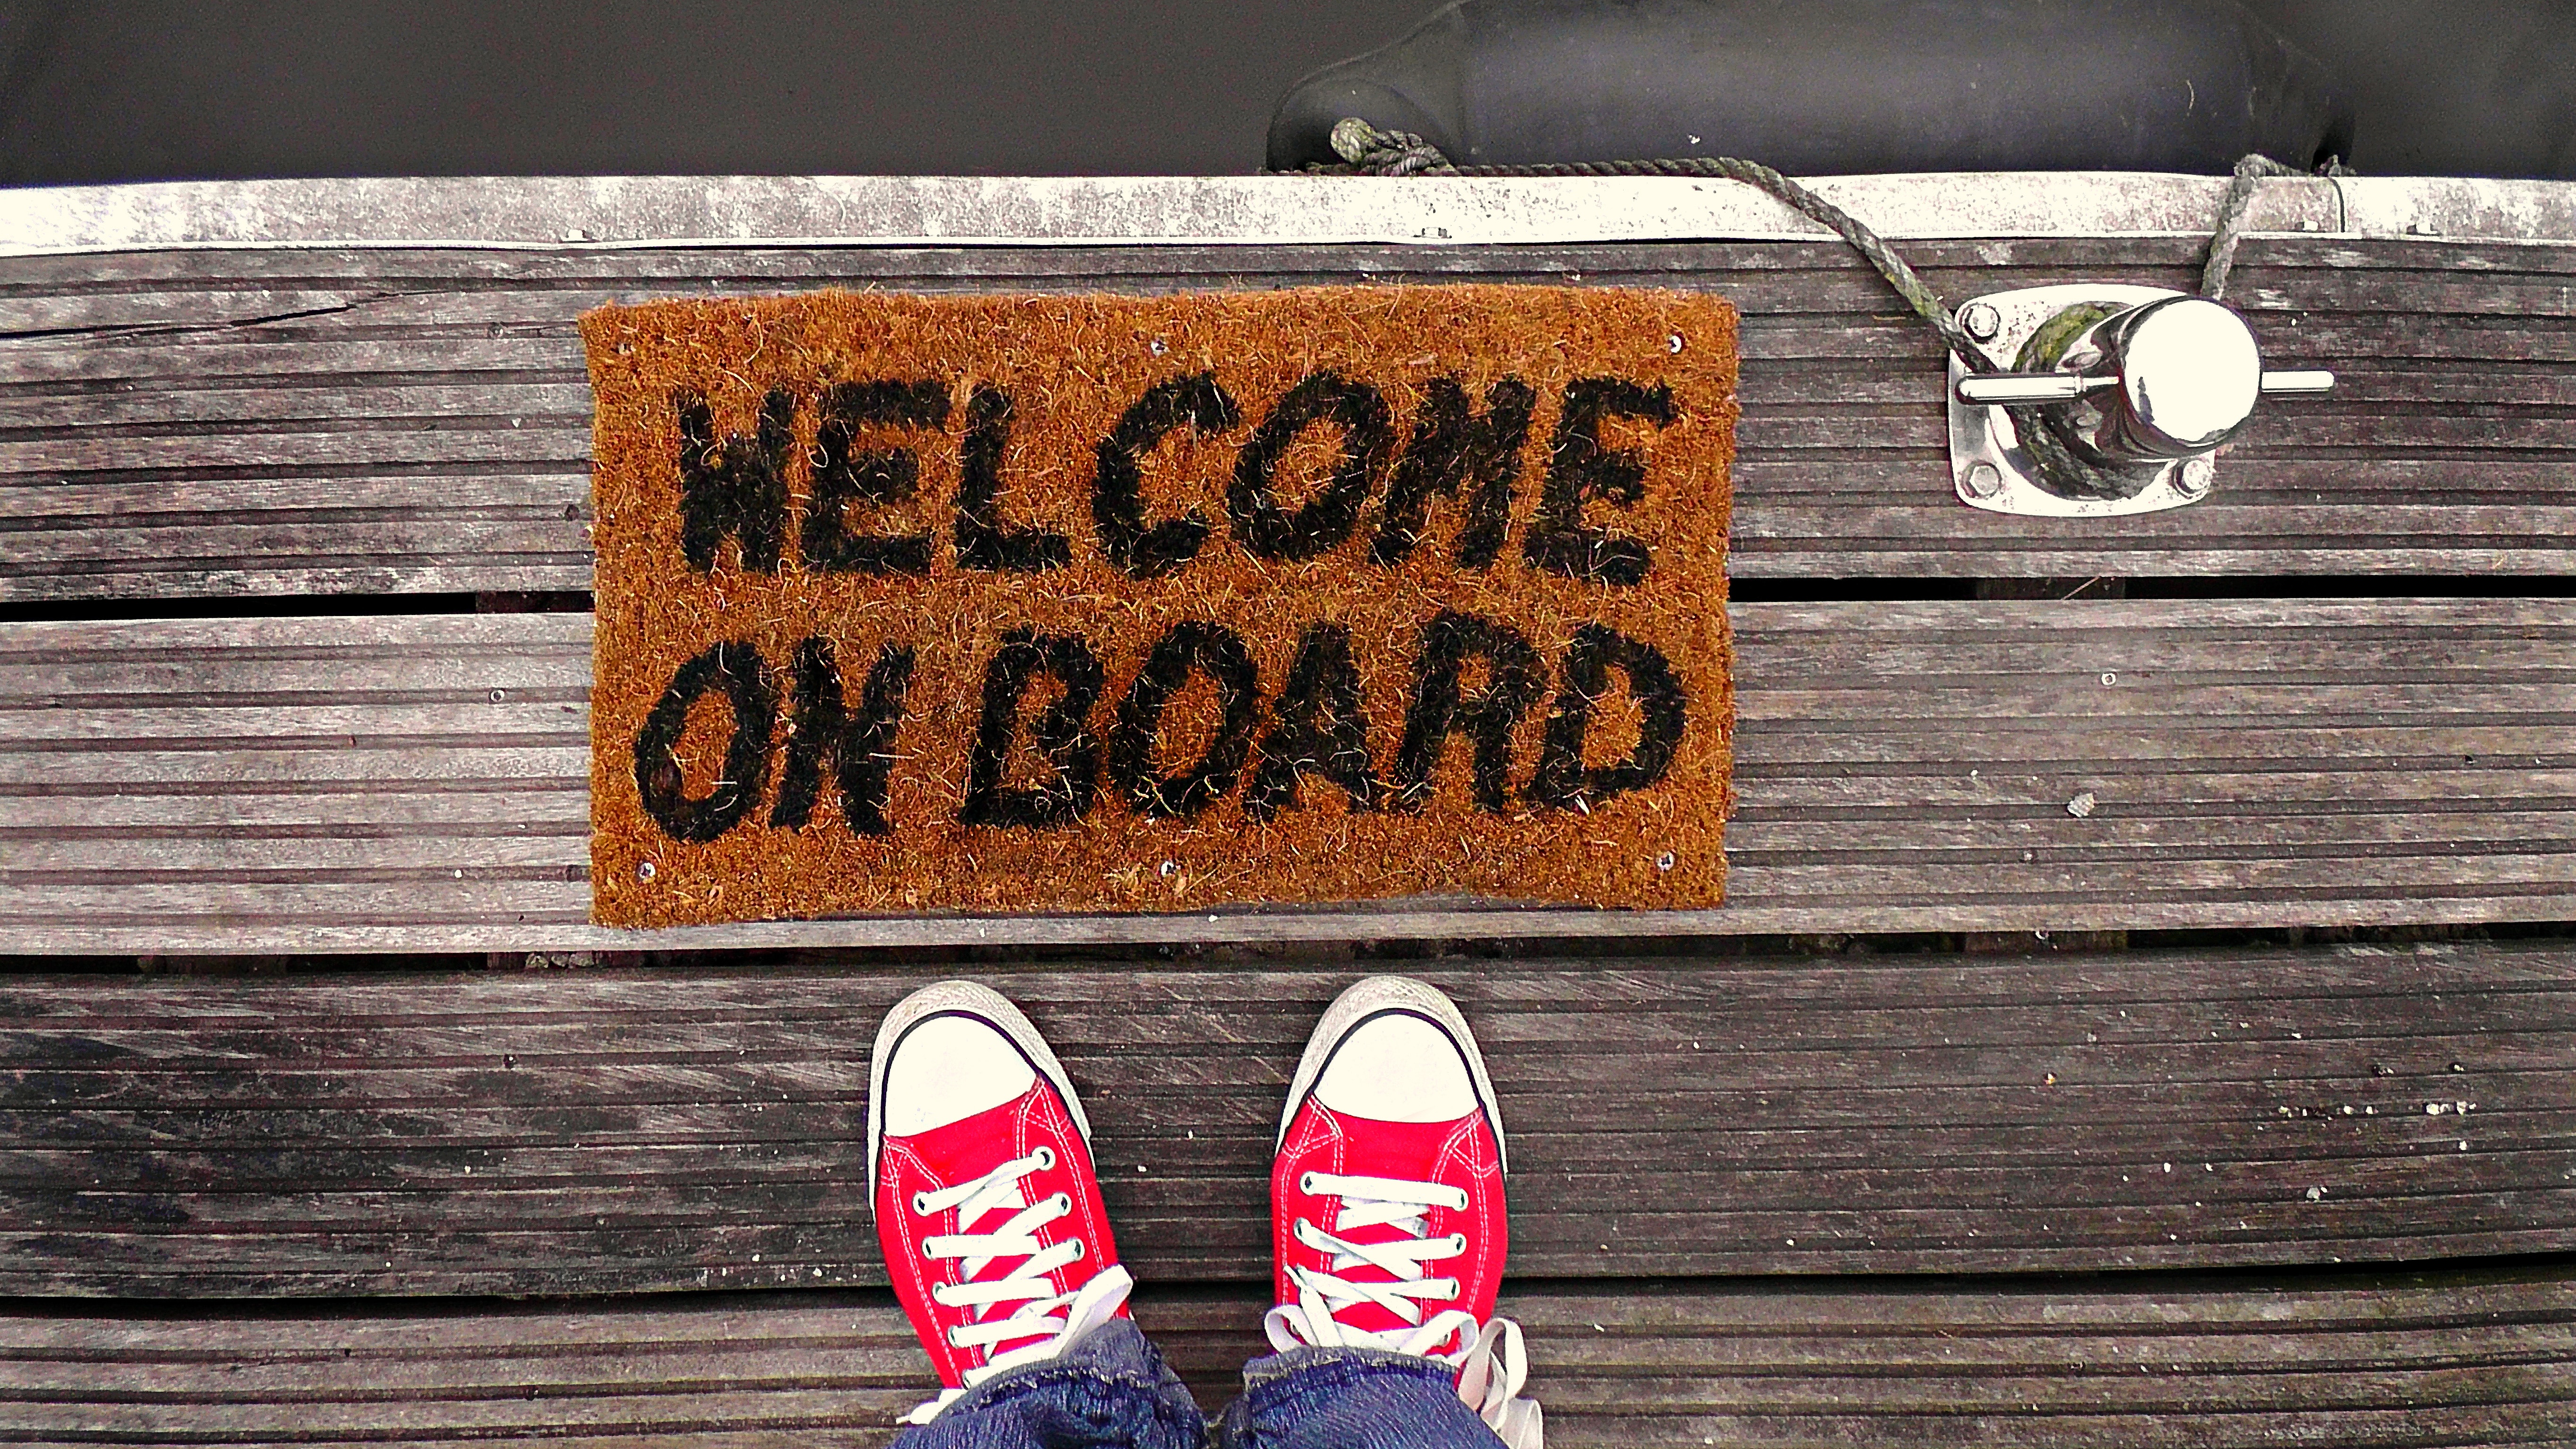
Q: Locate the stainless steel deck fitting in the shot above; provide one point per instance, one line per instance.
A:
(2112, 399)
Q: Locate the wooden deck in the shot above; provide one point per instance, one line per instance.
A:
(293, 753)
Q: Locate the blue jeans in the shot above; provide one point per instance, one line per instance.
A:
(1110, 1389)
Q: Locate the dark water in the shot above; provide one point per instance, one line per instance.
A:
(122, 90)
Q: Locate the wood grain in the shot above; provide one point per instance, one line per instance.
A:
(420, 782)
(2388, 1361)
(703, 1128)
(261, 422)
(217, 424)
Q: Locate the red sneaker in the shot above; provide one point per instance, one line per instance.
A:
(979, 1166)
(1391, 1164)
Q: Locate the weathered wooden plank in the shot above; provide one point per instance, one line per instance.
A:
(2394, 1362)
(24, 315)
(396, 271)
(700, 1128)
(2422, 1359)
(426, 430)
(1792, 403)
(420, 782)
(419, 281)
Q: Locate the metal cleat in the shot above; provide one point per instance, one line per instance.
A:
(2110, 400)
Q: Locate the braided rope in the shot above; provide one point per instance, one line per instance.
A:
(2233, 213)
(1373, 152)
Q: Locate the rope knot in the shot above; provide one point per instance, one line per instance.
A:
(1373, 152)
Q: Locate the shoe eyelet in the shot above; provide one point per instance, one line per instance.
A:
(1306, 1183)
(1457, 1242)
(1046, 1159)
(921, 1204)
(951, 1336)
(1449, 1290)
(928, 1256)
(1081, 1252)
(1063, 1202)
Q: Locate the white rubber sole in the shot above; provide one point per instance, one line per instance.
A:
(1377, 996)
(959, 998)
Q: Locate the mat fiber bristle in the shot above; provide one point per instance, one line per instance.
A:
(1027, 603)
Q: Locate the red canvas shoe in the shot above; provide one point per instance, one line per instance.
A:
(1386, 1199)
(979, 1166)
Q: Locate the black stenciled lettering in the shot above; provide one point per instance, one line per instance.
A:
(1368, 436)
(1318, 728)
(1117, 497)
(1219, 653)
(735, 487)
(1062, 733)
(1515, 677)
(845, 475)
(859, 746)
(984, 541)
(1580, 469)
(1663, 708)
(733, 669)
(1457, 453)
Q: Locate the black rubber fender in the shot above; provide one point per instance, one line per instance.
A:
(1836, 87)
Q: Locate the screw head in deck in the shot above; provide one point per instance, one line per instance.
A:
(1982, 480)
(2192, 479)
(1982, 321)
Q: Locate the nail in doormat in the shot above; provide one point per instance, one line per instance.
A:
(1045, 603)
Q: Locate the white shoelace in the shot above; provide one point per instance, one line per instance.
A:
(1050, 1318)
(1492, 1364)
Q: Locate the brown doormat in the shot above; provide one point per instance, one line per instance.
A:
(1033, 603)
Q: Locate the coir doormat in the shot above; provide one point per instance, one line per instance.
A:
(1032, 603)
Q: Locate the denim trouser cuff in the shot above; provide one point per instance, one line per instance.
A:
(1107, 1387)
(1350, 1398)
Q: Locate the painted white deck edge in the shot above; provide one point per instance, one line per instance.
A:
(554, 213)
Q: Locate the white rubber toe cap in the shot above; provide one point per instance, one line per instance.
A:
(949, 1068)
(1398, 1067)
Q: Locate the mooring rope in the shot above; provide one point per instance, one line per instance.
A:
(2235, 211)
(1368, 151)
(1372, 152)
